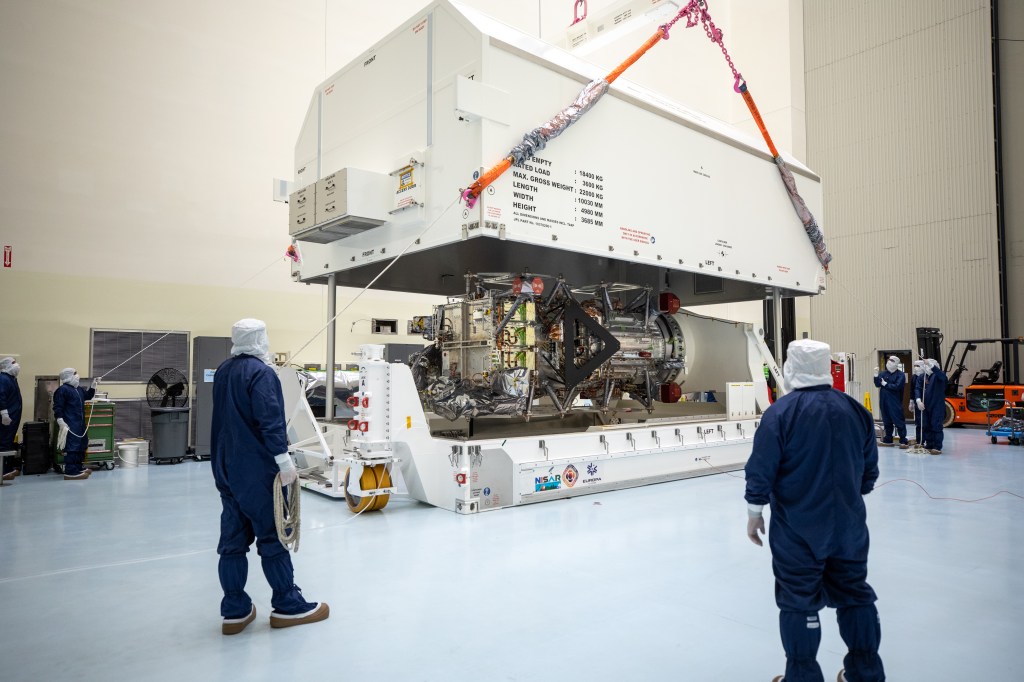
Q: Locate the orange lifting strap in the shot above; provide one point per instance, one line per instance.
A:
(496, 171)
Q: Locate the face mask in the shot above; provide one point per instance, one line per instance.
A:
(918, 370)
(74, 381)
(15, 368)
(891, 366)
(928, 370)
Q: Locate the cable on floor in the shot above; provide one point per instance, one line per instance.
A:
(951, 499)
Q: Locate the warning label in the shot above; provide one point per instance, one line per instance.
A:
(630, 234)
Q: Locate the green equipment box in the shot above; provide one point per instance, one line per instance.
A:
(99, 416)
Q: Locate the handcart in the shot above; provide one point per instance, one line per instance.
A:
(1009, 426)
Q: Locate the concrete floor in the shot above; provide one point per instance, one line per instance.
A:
(115, 577)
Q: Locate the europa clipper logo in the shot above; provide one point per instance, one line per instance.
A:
(592, 476)
(570, 475)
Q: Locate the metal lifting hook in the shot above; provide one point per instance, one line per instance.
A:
(576, 18)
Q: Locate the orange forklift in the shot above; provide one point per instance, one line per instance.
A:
(990, 391)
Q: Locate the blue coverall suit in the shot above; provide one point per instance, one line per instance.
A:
(814, 457)
(890, 402)
(917, 393)
(248, 430)
(69, 405)
(934, 408)
(10, 400)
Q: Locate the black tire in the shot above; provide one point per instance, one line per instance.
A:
(950, 416)
(993, 440)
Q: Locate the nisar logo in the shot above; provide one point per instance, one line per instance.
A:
(369, 61)
(549, 482)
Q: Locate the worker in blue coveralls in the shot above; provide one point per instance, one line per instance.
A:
(10, 412)
(249, 447)
(934, 405)
(69, 409)
(890, 385)
(814, 457)
(917, 393)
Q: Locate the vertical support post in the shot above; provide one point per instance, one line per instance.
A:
(777, 319)
(332, 304)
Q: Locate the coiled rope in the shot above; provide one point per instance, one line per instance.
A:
(287, 516)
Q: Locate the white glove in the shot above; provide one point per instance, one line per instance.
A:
(920, 404)
(910, 405)
(95, 383)
(62, 437)
(288, 473)
(876, 371)
(755, 524)
(883, 382)
(5, 418)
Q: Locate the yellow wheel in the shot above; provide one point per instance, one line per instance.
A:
(383, 481)
(373, 477)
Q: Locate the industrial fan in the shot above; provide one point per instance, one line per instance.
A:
(167, 388)
(167, 395)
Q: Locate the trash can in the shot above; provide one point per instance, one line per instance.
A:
(170, 434)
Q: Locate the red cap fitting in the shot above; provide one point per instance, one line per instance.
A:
(668, 302)
(353, 424)
(353, 401)
(460, 479)
(669, 393)
(366, 402)
(364, 427)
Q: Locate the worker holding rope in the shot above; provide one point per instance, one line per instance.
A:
(73, 436)
(250, 462)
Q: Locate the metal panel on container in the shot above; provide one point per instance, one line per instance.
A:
(301, 210)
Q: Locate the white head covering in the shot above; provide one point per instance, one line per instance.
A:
(9, 366)
(67, 375)
(929, 365)
(249, 337)
(808, 363)
(892, 363)
(918, 367)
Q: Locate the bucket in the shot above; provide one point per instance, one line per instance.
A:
(128, 453)
(143, 448)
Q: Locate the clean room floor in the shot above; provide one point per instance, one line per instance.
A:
(116, 577)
